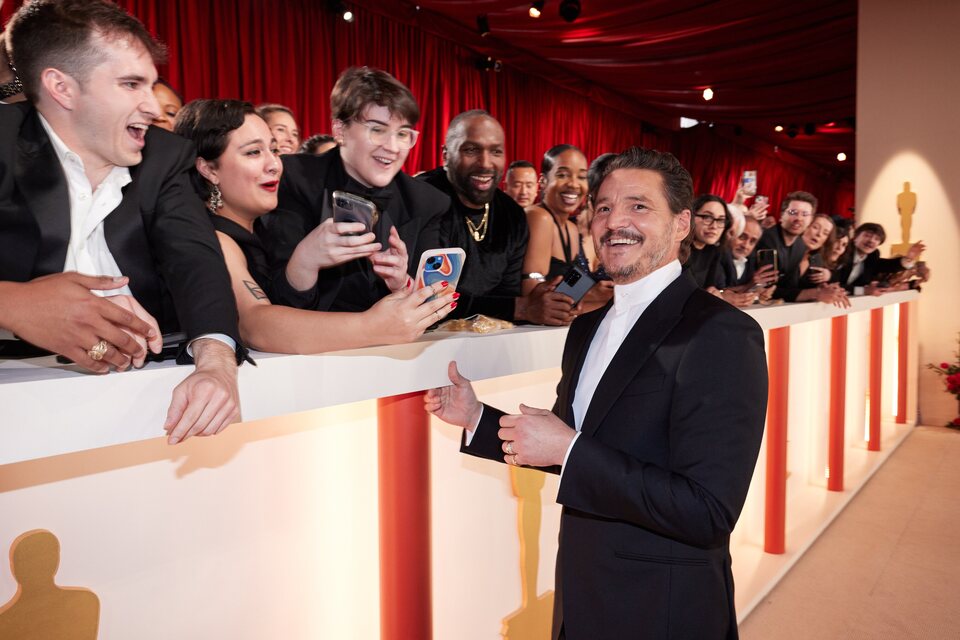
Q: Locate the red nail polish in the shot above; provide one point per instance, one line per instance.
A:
(456, 296)
(453, 305)
(445, 284)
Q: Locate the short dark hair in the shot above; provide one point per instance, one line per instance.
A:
(677, 182)
(871, 227)
(521, 164)
(595, 171)
(311, 144)
(457, 129)
(358, 87)
(551, 155)
(208, 123)
(58, 34)
(802, 196)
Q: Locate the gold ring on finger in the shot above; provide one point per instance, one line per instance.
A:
(515, 460)
(509, 448)
(98, 350)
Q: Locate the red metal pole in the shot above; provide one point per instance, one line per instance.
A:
(904, 344)
(404, 468)
(775, 508)
(876, 379)
(838, 392)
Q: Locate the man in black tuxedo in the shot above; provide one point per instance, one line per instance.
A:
(863, 271)
(86, 186)
(656, 451)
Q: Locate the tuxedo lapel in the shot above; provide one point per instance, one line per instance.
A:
(41, 180)
(127, 239)
(581, 335)
(641, 342)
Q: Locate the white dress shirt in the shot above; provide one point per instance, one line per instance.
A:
(87, 251)
(629, 303)
(740, 264)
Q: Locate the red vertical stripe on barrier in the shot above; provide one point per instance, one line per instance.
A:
(775, 507)
(876, 377)
(903, 356)
(838, 393)
(404, 472)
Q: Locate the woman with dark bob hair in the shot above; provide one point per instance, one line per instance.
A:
(237, 173)
(373, 121)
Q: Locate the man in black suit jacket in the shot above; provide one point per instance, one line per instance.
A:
(656, 451)
(862, 271)
(87, 185)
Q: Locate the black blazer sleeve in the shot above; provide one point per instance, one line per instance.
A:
(715, 425)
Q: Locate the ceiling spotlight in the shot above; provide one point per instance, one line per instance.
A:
(536, 8)
(569, 10)
(687, 123)
(778, 128)
(841, 156)
(488, 63)
(348, 15)
(708, 94)
(483, 25)
(809, 128)
(339, 7)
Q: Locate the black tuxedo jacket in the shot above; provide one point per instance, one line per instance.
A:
(306, 188)
(874, 267)
(656, 481)
(160, 235)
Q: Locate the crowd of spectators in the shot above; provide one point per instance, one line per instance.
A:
(228, 236)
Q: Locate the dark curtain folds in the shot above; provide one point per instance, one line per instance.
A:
(291, 52)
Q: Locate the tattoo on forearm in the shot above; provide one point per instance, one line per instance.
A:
(255, 290)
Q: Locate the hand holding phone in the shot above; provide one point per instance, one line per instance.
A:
(348, 207)
(576, 282)
(439, 265)
(767, 257)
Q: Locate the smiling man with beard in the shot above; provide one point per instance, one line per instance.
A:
(656, 451)
(489, 226)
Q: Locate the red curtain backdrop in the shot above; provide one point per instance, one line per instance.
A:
(291, 52)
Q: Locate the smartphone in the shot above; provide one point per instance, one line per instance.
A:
(576, 282)
(437, 265)
(749, 183)
(765, 257)
(351, 208)
(761, 200)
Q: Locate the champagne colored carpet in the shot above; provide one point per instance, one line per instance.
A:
(889, 566)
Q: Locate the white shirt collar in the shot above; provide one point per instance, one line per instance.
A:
(119, 175)
(644, 290)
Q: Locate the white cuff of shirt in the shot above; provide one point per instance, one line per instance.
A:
(220, 337)
(859, 291)
(468, 436)
(566, 456)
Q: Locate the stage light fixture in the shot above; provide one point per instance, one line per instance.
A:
(483, 25)
(809, 128)
(569, 10)
(778, 128)
(841, 156)
(708, 94)
(348, 15)
(536, 8)
(792, 131)
(489, 63)
(688, 123)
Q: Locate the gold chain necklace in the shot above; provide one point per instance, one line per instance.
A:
(479, 231)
